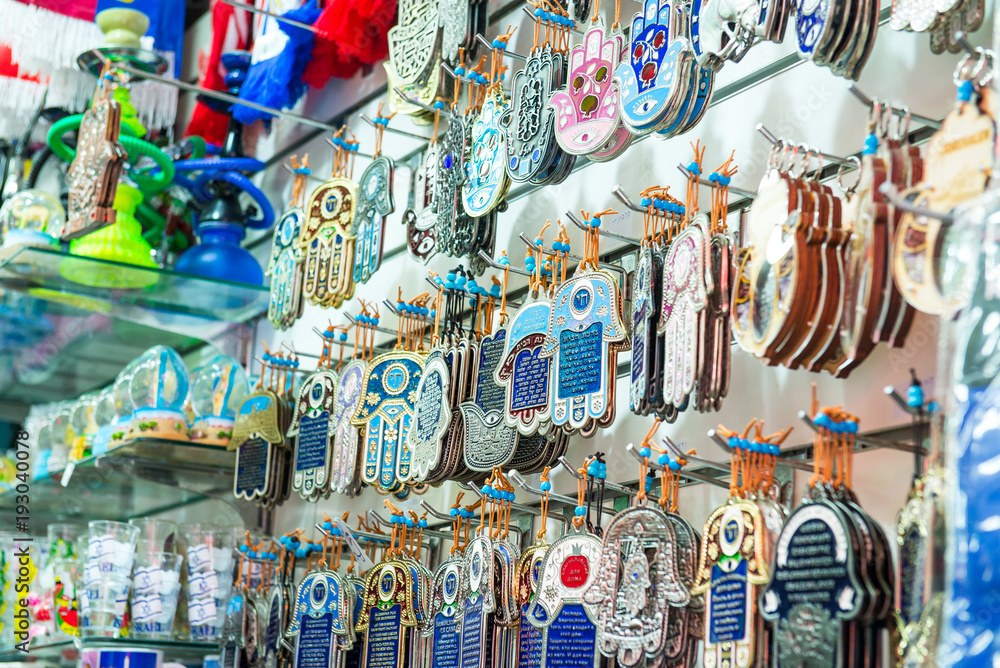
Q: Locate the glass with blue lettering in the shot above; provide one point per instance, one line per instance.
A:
(155, 589)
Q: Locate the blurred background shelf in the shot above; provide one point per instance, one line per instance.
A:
(188, 653)
(136, 479)
(167, 300)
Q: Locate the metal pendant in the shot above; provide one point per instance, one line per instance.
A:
(384, 414)
(488, 440)
(446, 614)
(375, 204)
(568, 569)
(231, 640)
(523, 371)
(284, 267)
(478, 602)
(585, 332)
(685, 295)
(93, 175)
(814, 588)
(587, 110)
(259, 435)
(638, 582)
(314, 429)
(326, 243)
(344, 465)
(387, 614)
(414, 40)
(431, 416)
(318, 617)
(647, 82)
(529, 122)
(731, 568)
(420, 219)
(529, 636)
(273, 627)
(449, 178)
(644, 317)
(486, 180)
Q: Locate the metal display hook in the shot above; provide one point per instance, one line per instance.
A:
(373, 514)
(430, 281)
(377, 328)
(367, 536)
(739, 192)
(395, 131)
(836, 159)
(536, 18)
(891, 392)
(506, 52)
(613, 486)
(217, 95)
(790, 463)
(417, 103)
(900, 202)
(871, 441)
(291, 171)
(500, 267)
(527, 510)
(519, 480)
(678, 452)
(654, 466)
(277, 17)
(610, 235)
(575, 258)
(868, 102)
(450, 72)
(624, 199)
(329, 140)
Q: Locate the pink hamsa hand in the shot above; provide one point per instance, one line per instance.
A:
(587, 108)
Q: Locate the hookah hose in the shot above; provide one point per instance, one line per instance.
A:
(226, 170)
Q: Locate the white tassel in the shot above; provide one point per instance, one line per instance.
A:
(47, 44)
(19, 100)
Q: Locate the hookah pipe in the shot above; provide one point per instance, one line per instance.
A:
(215, 184)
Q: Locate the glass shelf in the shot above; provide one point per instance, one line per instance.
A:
(138, 478)
(188, 653)
(54, 352)
(167, 300)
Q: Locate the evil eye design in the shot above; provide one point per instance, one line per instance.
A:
(386, 583)
(318, 594)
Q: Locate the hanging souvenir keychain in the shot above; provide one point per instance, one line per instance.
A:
(420, 218)
(375, 203)
(232, 640)
(284, 266)
(506, 554)
(848, 608)
(313, 427)
(532, 153)
(638, 580)
(320, 613)
(273, 607)
(525, 374)
(588, 115)
(486, 179)
(414, 42)
(389, 611)
(586, 331)
(528, 580)
(389, 391)
(446, 611)
(346, 474)
(732, 567)
(957, 168)
(326, 242)
(99, 161)
(432, 407)
(263, 455)
(567, 571)
(488, 440)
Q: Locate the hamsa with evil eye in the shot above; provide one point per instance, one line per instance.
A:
(285, 270)
(587, 110)
(648, 80)
(486, 180)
